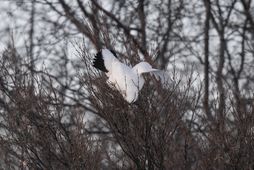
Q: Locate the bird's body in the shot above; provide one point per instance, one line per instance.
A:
(126, 80)
(129, 81)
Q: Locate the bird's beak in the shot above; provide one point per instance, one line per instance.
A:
(154, 69)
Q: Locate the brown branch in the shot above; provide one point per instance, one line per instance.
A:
(246, 6)
(79, 25)
(206, 60)
(142, 18)
(126, 31)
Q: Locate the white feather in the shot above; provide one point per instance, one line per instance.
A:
(129, 81)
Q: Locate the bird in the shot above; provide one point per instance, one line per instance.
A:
(127, 80)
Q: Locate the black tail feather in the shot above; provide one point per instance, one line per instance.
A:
(99, 62)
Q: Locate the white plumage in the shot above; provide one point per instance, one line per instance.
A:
(129, 81)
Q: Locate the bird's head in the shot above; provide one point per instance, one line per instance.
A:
(143, 67)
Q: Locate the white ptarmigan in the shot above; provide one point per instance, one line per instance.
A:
(129, 81)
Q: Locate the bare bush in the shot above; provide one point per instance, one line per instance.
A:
(51, 117)
(37, 130)
(152, 131)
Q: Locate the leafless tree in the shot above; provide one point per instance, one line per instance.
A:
(58, 112)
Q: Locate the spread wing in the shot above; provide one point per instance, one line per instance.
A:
(103, 60)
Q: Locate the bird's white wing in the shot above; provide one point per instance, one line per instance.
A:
(103, 60)
(126, 81)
